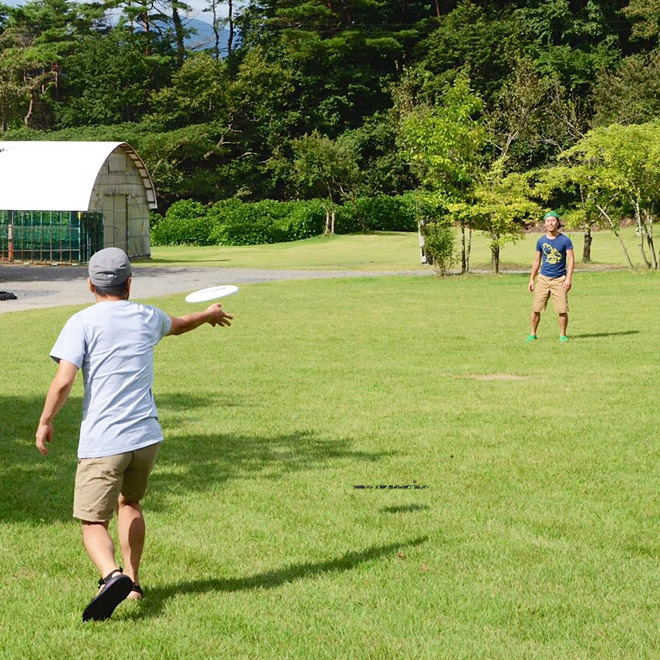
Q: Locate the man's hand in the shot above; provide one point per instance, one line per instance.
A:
(567, 285)
(218, 317)
(213, 315)
(530, 286)
(44, 435)
(58, 393)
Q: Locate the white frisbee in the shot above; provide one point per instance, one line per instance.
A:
(212, 293)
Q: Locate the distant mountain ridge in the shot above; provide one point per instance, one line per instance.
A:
(204, 38)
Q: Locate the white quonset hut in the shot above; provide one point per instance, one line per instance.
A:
(63, 201)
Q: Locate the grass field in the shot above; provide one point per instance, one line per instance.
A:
(536, 533)
(386, 251)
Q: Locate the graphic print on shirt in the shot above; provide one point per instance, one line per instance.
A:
(552, 256)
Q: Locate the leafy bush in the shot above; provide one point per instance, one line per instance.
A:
(379, 213)
(305, 219)
(439, 245)
(247, 224)
(267, 221)
(186, 222)
(233, 222)
(435, 224)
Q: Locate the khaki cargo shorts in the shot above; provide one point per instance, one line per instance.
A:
(550, 286)
(99, 481)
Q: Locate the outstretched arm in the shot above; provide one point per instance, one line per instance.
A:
(212, 315)
(58, 393)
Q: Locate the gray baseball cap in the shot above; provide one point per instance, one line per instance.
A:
(109, 267)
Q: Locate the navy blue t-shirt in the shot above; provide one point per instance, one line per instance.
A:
(553, 254)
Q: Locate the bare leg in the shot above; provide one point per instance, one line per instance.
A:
(563, 324)
(99, 546)
(131, 530)
(536, 318)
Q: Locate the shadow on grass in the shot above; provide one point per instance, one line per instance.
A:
(157, 596)
(197, 463)
(405, 508)
(33, 487)
(39, 488)
(597, 335)
(172, 260)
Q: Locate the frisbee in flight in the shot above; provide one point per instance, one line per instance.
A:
(212, 293)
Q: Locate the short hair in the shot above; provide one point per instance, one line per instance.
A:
(119, 290)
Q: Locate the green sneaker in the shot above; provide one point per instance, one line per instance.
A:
(563, 338)
(530, 338)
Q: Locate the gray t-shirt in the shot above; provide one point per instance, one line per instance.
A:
(113, 343)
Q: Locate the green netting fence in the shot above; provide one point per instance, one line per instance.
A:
(50, 236)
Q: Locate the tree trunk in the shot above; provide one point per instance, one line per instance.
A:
(230, 19)
(178, 35)
(30, 112)
(586, 248)
(216, 31)
(466, 247)
(641, 233)
(617, 233)
(326, 229)
(57, 70)
(495, 258)
(648, 226)
(147, 29)
(469, 250)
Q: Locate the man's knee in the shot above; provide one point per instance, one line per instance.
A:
(125, 502)
(89, 524)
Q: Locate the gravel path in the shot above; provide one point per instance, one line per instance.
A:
(53, 286)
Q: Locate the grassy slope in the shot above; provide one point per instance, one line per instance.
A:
(382, 251)
(537, 536)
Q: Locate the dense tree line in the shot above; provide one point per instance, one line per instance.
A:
(339, 99)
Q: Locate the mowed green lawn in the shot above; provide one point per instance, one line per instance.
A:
(536, 533)
(387, 251)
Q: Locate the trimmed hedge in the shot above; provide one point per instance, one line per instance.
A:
(233, 222)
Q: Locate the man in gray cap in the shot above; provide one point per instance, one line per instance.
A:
(113, 343)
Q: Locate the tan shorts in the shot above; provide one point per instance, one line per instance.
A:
(550, 286)
(100, 480)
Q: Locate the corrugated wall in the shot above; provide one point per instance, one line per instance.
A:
(120, 195)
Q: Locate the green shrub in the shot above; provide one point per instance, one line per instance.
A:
(379, 213)
(247, 224)
(439, 245)
(305, 219)
(233, 222)
(267, 221)
(186, 222)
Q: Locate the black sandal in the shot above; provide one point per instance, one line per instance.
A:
(138, 589)
(114, 590)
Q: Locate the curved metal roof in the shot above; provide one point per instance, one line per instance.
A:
(57, 176)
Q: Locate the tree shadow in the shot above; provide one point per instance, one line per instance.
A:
(197, 463)
(41, 273)
(597, 335)
(158, 595)
(35, 487)
(40, 488)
